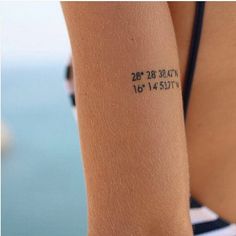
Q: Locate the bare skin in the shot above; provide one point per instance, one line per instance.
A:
(211, 117)
(133, 144)
(211, 126)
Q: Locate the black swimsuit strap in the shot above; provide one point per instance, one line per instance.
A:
(193, 51)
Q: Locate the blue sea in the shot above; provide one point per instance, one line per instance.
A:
(43, 190)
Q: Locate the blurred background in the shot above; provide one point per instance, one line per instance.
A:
(43, 190)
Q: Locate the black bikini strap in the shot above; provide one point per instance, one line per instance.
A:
(193, 51)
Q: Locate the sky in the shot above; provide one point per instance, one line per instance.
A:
(33, 32)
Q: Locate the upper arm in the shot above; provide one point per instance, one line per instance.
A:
(130, 113)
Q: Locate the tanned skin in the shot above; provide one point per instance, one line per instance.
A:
(211, 118)
(133, 143)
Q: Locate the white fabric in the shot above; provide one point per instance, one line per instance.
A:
(202, 214)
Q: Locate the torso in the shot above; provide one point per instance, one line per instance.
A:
(211, 117)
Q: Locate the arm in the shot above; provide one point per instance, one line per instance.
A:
(132, 137)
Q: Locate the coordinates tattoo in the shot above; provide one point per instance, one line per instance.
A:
(155, 80)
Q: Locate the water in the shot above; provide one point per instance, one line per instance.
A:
(43, 191)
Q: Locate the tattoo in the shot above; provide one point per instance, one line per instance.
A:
(151, 80)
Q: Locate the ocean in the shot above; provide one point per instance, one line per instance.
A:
(43, 189)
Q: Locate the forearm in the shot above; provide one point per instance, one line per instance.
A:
(132, 136)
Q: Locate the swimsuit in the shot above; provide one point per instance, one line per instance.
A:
(204, 221)
(207, 223)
